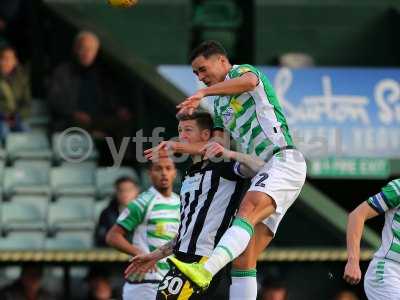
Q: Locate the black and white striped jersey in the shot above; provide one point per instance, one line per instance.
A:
(210, 195)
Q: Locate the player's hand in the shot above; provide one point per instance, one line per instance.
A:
(190, 103)
(165, 148)
(141, 264)
(213, 150)
(352, 272)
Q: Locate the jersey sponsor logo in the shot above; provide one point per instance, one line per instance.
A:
(123, 215)
(227, 115)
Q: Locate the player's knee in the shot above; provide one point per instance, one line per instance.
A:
(256, 206)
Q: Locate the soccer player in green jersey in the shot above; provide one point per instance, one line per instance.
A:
(246, 106)
(382, 280)
(153, 218)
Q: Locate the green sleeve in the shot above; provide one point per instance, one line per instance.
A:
(218, 124)
(391, 193)
(242, 69)
(131, 216)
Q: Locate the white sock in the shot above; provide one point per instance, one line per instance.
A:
(232, 244)
(244, 285)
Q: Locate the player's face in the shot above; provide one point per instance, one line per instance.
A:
(162, 173)
(86, 50)
(8, 61)
(190, 132)
(126, 192)
(210, 70)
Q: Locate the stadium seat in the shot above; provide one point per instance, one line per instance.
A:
(106, 177)
(39, 117)
(74, 146)
(78, 180)
(70, 240)
(27, 179)
(22, 241)
(71, 213)
(27, 145)
(25, 213)
(145, 179)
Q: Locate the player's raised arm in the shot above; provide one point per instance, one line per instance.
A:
(355, 228)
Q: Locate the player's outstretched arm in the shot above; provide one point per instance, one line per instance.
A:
(355, 228)
(245, 83)
(146, 262)
(249, 165)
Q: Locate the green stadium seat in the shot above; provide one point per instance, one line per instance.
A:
(145, 179)
(106, 177)
(27, 145)
(79, 181)
(72, 213)
(225, 36)
(27, 179)
(22, 241)
(73, 146)
(39, 117)
(70, 240)
(25, 213)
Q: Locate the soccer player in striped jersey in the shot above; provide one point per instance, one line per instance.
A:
(153, 218)
(382, 280)
(246, 106)
(210, 195)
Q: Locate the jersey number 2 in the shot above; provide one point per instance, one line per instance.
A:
(260, 181)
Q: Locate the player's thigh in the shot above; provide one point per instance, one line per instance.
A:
(261, 239)
(139, 291)
(256, 206)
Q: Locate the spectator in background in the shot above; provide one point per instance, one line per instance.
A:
(346, 295)
(15, 93)
(274, 291)
(27, 287)
(126, 190)
(99, 285)
(80, 93)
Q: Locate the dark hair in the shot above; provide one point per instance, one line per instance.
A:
(203, 119)
(207, 49)
(124, 179)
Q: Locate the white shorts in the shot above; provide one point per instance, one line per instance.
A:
(382, 280)
(282, 178)
(139, 291)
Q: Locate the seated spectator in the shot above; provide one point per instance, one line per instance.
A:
(274, 291)
(346, 295)
(80, 93)
(27, 287)
(126, 191)
(15, 93)
(99, 285)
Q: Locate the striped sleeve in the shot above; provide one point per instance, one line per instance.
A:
(388, 198)
(134, 214)
(242, 69)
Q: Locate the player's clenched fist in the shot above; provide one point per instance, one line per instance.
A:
(352, 272)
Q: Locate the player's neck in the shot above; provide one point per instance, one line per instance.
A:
(167, 192)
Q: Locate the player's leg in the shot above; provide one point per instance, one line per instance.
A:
(272, 192)
(244, 280)
(139, 291)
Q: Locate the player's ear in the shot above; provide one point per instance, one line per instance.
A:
(205, 134)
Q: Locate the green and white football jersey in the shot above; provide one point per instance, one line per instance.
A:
(388, 202)
(254, 119)
(154, 221)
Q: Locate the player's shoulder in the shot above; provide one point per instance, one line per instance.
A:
(144, 198)
(238, 70)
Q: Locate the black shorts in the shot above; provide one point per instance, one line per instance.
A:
(175, 286)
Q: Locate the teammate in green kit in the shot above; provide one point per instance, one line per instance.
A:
(153, 218)
(246, 106)
(382, 280)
